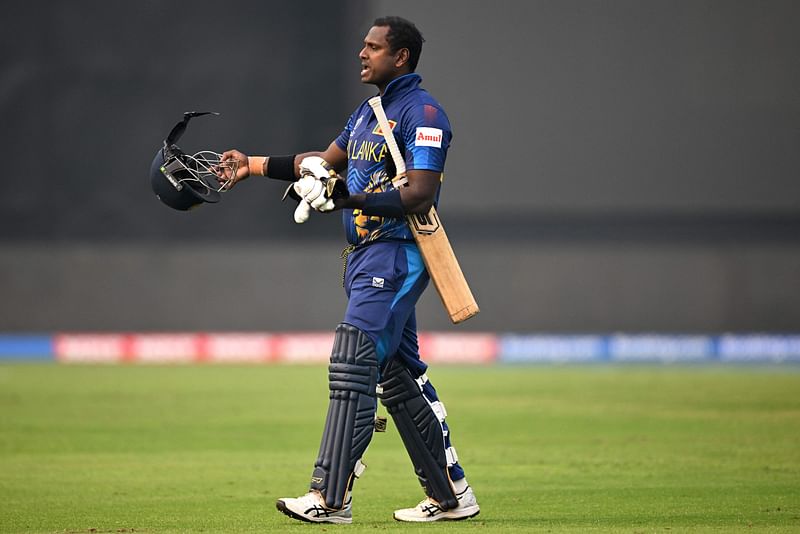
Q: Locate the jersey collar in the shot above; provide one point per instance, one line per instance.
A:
(400, 86)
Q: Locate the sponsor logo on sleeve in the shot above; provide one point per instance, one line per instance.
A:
(428, 137)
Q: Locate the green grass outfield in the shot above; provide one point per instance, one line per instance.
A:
(548, 449)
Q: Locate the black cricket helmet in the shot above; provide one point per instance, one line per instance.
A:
(183, 181)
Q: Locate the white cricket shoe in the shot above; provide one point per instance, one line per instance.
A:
(311, 507)
(428, 509)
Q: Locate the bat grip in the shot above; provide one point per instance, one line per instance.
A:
(388, 135)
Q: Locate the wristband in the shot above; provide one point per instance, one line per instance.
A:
(387, 204)
(281, 168)
(256, 165)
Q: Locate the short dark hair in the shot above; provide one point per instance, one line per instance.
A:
(403, 34)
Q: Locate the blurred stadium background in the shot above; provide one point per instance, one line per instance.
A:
(617, 167)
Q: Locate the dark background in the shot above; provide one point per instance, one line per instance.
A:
(616, 165)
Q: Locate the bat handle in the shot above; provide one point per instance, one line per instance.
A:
(388, 135)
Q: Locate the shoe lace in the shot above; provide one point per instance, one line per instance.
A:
(314, 499)
(428, 506)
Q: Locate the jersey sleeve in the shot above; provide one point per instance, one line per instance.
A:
(426, 135)
(344, 137)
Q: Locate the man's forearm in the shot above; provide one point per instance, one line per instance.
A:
(386, 204)
(353, 202)
(287, 168)
(277, 167)
(281, 167)
(396, 203)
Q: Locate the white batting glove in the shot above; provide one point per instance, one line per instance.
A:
(314, 173)
(315, 188)
(312, 195)
(312, 190)
(302, 212)
(316, 167)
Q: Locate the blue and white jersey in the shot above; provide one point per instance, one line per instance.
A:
(423, 134)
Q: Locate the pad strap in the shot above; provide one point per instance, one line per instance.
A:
(421, 429)
(352, 379)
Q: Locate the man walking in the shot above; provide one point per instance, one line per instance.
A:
(375, 353)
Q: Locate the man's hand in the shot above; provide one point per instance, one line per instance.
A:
(242, 171)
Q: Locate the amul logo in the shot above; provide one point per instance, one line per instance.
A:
(428, 137)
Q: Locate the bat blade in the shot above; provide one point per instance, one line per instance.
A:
(443, 267)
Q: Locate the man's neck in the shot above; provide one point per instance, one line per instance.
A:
(382, 87)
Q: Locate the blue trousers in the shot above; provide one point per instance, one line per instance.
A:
(383, 283)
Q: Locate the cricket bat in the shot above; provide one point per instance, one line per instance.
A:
(438, 255)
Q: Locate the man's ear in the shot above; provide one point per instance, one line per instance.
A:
(402, 57)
